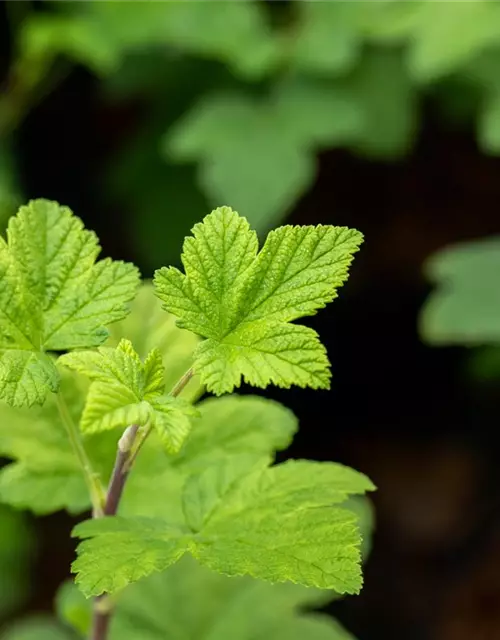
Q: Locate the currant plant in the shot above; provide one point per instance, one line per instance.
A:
(108, 418)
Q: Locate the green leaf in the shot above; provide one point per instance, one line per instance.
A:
(279, 134)
(149, 328)
(464, 308)
(203, 492)
(191, 601)
(121, 551)
(73, 608)
(26, 376)
(226, 427)
(238, 36)
(243, 302)
(445, 38)
(388, 100)
(53, 297)
(276, 524)
(125, 391)
(327, 40)
(46, 36)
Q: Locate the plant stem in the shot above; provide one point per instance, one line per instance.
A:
(92, 479)
(125, 457)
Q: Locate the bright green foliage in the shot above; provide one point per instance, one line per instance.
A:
(465, 306)
(227, 427)
(126, 391)
(276, 524)
(53, 296)
(280, 136)
(243, 303)
(148, 327)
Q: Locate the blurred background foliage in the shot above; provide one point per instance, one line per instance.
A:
(384, 115)
(235, 100)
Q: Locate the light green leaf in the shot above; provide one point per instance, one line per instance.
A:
(203, 492)
(226, 427)
(276, 524)
(53, 296)
(26, 376)
(192, 602)
(465, 306)
(243, 302)
(150, 329)
(125, 391)
(172, 420)
(121, 551)
(280, 135)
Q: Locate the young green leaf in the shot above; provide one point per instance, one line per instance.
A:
(276, 524)
(53, 297)
(126, 391)
(148, 327)
(244, 302)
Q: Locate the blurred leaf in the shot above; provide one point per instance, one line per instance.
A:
(44, 36)
(198, 604)
(257, 154)
(73, 608)
(447, 36)
(235, 33)
(15, 553)
(489, 125)
(383, 90)
(37, 628)
(464, 308)
(326, 38)
(10, 197)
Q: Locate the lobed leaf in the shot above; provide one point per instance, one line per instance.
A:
(276, 524)
(53, 297)
(242, 302)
